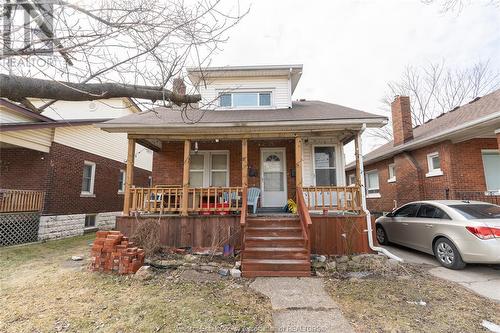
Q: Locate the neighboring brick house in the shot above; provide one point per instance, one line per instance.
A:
(454, 156)
(78, 169)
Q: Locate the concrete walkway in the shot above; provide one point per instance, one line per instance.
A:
(301, 305)
(482, 279)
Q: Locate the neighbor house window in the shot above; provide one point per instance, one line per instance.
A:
(121, 182)
(245, 99)
(491, 165)
(434, 165)
(392, 173)
(324, 166)
(209, 168)
(372, 185)
(89, 221)
(88, 178)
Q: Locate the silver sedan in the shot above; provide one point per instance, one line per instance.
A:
(456, 232)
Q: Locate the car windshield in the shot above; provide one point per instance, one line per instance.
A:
(478, 211)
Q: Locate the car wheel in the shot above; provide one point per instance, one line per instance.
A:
(381, 235)
(447, 254)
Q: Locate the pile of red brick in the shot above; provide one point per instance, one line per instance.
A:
(113, 252)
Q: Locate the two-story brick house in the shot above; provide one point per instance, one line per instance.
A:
(249, 142)
(454, 156)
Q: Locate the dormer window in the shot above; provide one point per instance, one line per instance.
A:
(245, 99)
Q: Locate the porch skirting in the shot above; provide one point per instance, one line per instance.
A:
(189, 231)
(330, 235)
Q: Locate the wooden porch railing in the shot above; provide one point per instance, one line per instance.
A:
(343, 198)
(243, 217)
(20, 201)
(305, 218)
(200, 200)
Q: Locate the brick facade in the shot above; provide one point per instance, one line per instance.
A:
(168, 163)
(462, 167)
(59, 174)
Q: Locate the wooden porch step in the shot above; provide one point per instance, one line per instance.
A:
(272, 222)
(269, 241)
(250, 274)
(266, 265)
(275, 253)
(274, 231)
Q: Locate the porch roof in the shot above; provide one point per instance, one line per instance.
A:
(302, 113)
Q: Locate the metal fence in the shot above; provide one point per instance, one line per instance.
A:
(18, 228)
(485, 196)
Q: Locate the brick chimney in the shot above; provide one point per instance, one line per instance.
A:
(401, 120)
(178, 86)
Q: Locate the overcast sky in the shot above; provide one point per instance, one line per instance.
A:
(351, 49)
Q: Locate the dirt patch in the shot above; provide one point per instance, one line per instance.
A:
(44, 291)
(405, 298)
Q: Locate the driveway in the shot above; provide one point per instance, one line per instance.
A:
(482, 279)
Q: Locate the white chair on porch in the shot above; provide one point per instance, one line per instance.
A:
(253, 198)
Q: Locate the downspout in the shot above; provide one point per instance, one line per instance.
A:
(363, 203)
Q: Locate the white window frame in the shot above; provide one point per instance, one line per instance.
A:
(123, 175)
(235, 91)
(489, 191)
(368, 189)
(335, 148)
(92, 180)
(351, 179)
(393, 178)
(207, 165)
(431, 171)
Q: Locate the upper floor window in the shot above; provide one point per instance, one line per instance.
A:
(245, 99)
(434, 165)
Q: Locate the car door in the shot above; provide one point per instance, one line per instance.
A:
(398, 228)
(421, 229)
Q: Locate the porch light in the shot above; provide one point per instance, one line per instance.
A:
(196, 146)
(217, 140)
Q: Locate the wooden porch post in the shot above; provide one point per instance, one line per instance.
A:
(129, 176)
(358, 166)
(298, 162)
(185, 177)
(244, 164)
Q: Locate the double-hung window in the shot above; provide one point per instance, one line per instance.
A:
(491, 165)
(209, 168)
(392, 173)
(245, 99)
(88, 178)
(372, 185)
(121, 181)
(324, 166)
(434, 165)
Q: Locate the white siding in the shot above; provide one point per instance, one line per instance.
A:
(279, 86)
(39, 139)
(65, 110)
(308, 156)
(8, 116)
(109, 145)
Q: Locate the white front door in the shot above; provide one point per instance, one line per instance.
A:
(273, 177)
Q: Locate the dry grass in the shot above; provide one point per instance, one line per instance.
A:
(383, 303)
(44, 291)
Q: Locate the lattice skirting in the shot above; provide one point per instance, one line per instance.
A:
(18, 228)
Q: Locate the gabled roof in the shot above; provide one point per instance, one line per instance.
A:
(196, 74)
(301, 112)
(483, 112)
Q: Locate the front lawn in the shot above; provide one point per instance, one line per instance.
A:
(43, 290)
(406, 298)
